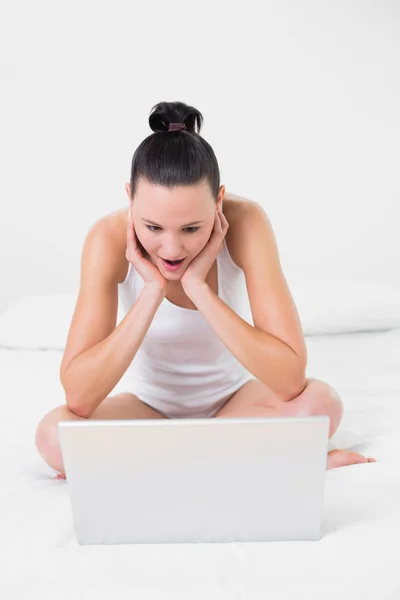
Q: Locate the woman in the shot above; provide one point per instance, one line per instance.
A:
(194, 267)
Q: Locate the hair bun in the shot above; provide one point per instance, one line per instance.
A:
(164, 113)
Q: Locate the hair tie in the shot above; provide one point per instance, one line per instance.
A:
(176, 126)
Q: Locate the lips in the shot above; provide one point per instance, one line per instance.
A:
(170, 260)
(172, 266)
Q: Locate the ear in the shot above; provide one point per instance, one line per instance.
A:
(128, 191)
(221, 195)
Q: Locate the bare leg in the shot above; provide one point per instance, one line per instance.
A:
(254, 399)
(120, 406)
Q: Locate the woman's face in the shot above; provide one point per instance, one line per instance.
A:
(173, 223)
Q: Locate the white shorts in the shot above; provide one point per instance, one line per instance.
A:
(181, 408)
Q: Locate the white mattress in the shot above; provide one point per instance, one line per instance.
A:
(355, 558)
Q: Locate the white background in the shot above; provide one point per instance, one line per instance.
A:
(300, 103)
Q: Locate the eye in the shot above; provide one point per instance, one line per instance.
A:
(153, 227)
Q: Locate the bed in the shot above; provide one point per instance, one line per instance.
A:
(356, 557)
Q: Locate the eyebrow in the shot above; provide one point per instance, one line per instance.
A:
(187, 224)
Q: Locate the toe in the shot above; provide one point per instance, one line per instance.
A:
(359, 458)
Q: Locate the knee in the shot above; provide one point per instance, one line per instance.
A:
(46, 436)
(46, 431)
(333, 401)
(325, 400)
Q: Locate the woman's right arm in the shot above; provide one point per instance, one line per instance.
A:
(98, 353)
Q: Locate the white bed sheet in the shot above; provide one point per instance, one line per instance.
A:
(356, 557)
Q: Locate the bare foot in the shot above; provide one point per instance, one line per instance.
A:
(336, 458)
(344, 458)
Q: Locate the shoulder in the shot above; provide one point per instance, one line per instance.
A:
(244, 217)
(106, 237)
(241, 213)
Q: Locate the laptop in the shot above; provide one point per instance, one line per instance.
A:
(195, 480)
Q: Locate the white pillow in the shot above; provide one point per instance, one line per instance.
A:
(342, 305)
(324, 306)
(39, 322)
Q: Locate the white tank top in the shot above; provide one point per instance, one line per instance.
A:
(181, 358)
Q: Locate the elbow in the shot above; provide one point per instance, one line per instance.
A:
(73, 403)
(76, 407)
(80, 411)
(296, 391)
(298, 383)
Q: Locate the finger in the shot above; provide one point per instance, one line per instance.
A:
(224, 221)
(131, 234)
(129, 231)
(216, 233)
(131, 227)
(217, 228)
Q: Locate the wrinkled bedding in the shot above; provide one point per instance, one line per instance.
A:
(355, 558)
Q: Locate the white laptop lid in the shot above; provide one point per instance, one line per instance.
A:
(196, 479)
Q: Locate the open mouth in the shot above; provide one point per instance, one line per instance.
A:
(173, 262)
(172, 265)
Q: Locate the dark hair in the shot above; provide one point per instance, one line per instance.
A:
(171, 158)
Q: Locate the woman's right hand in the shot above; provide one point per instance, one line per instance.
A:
(150, 274)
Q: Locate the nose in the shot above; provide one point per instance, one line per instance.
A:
(172, 251)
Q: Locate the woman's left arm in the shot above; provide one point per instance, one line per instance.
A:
(269, 359)
(273, 350)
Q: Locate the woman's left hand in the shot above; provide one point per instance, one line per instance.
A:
(198, 269)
